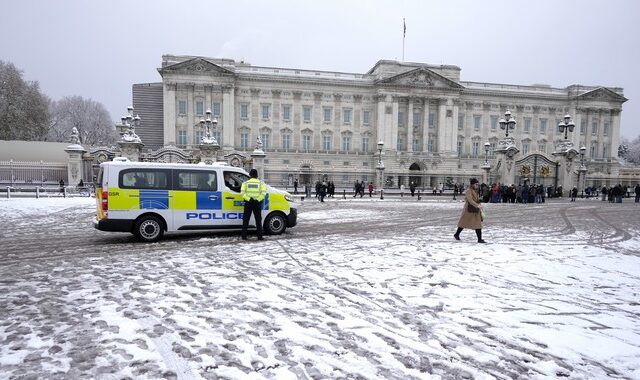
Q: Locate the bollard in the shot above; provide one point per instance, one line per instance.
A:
(454, 195)
(418, 194)
(64, 192)
(344, 194)
(37, 192)
(8, 192)
(382, 194)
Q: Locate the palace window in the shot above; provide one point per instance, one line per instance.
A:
(432, 119)
(525, 148)
(266, 140)
(199, 108)
(346, 116)
(326, 142)
(416, 119)
(265, 111)
(542, 148)
(460, 122)
(244, 111)
(460, 147)
(583, 127)
(218, 136)
(216, 109)
(326, 114)
(400, 118)
(542, 126)
(477, 120)
(475, 148)
(197, 137)
(605, 129)
(182, 107)
(594, 128)
(416, 145)
(346, 143)
(244, 140)
(527, 124)
(286, 141)
(430, 146)
(494, 123)
(306, 114)
(286, 113)
(306, 142)
(366, 116)
(400, 145)
(182, 137)
(365, 144)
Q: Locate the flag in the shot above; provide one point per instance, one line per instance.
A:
(404, 32)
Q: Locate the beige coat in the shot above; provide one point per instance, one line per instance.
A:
(469, 219)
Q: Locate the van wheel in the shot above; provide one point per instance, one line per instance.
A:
(149, 229)
(275, 224)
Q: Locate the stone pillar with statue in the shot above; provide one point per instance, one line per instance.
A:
(258, 158)
(75, 164)
(130, 144)
(566, 153)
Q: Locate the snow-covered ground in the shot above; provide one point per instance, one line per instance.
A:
(360, 289)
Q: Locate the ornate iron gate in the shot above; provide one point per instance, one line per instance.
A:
(537, 169)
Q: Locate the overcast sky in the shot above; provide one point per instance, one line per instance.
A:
(97, 49)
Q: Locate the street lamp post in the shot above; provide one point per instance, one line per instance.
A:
(486, 166)
(380, 168)
(507, 123)
(209, 124)
(582, 170)
(566, 125)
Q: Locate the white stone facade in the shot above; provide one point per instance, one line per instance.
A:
(317, 124)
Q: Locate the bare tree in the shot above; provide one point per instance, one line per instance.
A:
(90, 118)
(24, 111)
(633, 151)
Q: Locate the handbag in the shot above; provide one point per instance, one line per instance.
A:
(472, 209)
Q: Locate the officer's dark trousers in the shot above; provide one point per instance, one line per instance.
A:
(250, 207)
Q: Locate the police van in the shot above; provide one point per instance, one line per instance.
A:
(149, 199)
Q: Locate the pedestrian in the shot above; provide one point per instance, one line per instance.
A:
(61, 186)
(574, 194)
(253, 192)
(412, 188)
(81, 183)
(472, 212)
(295, 186)
(322, 191)
(371, 189)
(402, 190)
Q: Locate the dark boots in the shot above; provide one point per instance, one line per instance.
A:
(478, 233)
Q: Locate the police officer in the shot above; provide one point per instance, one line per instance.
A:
(253, 192)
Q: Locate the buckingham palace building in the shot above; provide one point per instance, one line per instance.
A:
(418, 121)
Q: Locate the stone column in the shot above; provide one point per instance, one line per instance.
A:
(410, 126)
(614, 131)
(169, 109)
(393, 138)
(228, 117)
(442, 125)
(75, 169)
(381, 108)
(425, 126)
(191, 123)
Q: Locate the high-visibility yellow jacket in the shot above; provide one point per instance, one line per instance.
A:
(253, 189)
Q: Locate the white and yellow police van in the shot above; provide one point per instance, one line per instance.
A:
(148, 199)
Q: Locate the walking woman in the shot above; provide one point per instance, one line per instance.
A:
(471, 216)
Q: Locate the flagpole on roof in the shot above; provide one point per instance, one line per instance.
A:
(404, 33)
